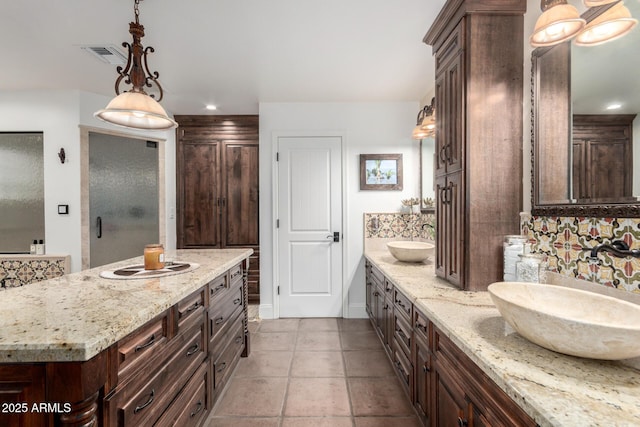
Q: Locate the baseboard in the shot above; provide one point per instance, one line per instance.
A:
(266, 311)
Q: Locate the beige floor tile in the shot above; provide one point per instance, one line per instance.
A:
(322, 340)
(253, 327)
(317, 364)
(253, 397)
(367, 340)
(273, 341)
(265, 364)
(378, 396)
(317, 422)
(310, 397)
(319, 324)
(242, 422)
(279, 325)
(355, 325)
(387, 422)
(367, 363)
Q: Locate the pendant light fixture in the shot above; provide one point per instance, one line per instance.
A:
(612, 24)
(135, 108)
(426, 122)
(559, 22)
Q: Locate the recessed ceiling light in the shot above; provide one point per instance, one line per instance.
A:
(614, 106)
(211, 107)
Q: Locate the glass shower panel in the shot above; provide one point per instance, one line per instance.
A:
(123, 197)
(21, 191)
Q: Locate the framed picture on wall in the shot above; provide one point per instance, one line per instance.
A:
(381, 172)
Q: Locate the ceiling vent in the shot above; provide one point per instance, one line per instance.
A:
(109, 54)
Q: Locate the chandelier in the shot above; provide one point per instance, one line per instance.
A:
(134, 108)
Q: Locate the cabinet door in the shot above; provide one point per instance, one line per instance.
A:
(22, 385)
(198, 194)
(422, 378)
(450, 226)
(240, 198)
(450, 406)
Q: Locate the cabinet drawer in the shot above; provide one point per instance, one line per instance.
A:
(402, 304)
(192, 305)
(141, 346)
(224, 364)
(191, 406)
(222, 311)
(402, 334)
(142, 401)
(404, 369)
(235, 274)
(421, 326)
(217, 288)
(377, 275)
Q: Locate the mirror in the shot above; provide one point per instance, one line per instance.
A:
(427, 150)
(583, 158)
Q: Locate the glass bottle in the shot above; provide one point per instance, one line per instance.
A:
(531, 268)
(154, 257)
(513, 246)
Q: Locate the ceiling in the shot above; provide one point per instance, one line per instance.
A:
(232, 53)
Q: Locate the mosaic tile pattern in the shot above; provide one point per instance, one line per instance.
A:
(399, 225)
(567, 242)
(20, 272)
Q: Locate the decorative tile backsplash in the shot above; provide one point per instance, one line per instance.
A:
(567, 242)
(399, 225)
(22, 270)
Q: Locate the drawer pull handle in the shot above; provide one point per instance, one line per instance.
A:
(152, 339)
(425, 369)
(193, 349)
(222, 367)
(239, 339)
(147, 403)
(217, 288)
(219, 320)
(237, 301)
(462, 423)
(421, 326)
(198, 409)
(401, 333)
(193, 307)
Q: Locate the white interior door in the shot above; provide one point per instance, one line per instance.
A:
(309, 213)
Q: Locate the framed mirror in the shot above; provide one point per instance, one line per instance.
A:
(586, 154)
(427, 193)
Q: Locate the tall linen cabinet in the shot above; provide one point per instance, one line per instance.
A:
(478, 49)
(217, 186)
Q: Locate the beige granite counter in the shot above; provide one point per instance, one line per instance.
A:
(554, 389)
(76, 316)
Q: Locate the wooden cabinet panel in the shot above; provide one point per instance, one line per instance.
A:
(422, 377)
(199, 193)
(21, 384)
(479, 63)
(217, 167)
(191, 407)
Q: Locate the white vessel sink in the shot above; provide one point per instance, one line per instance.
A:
(570, 321)
(409, 251)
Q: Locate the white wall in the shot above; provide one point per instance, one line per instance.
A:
(58, 114)
(369, 128)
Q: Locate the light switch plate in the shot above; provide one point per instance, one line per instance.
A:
(63, 209)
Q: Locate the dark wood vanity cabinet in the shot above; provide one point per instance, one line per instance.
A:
(478, 48)
(445, 386)
(217, 186)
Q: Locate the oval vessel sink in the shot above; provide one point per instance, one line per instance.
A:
(409, 251)
(570, 321)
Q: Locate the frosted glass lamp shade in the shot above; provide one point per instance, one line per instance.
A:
(612, 24)
(557, 24)
(419, 133)
(136, 110)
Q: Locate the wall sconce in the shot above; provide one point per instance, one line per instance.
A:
(426, 122)
(559, 22)
(135, 108)
(62, 155)
(612, 24)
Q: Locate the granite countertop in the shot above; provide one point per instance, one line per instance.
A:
(554, 389)
(76, 316)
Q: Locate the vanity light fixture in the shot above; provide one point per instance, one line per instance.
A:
(614, 23)
(426, 122)
(211, 107)
(135, 108)
(559, 22)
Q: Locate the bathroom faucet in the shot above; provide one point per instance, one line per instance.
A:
(617, 248)
(426, 224)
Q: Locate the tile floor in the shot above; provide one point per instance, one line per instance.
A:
(314, 373)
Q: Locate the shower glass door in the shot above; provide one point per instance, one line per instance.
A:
(123, 197)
